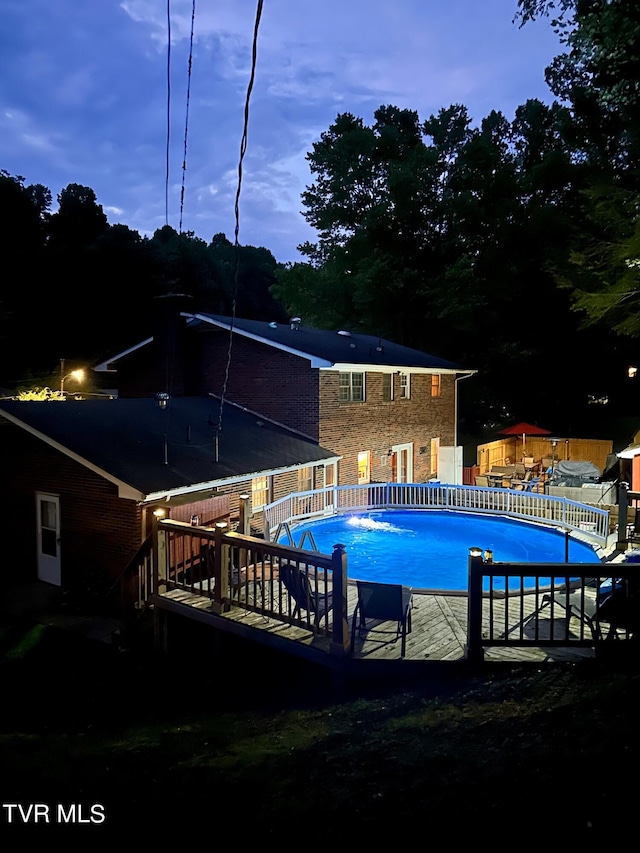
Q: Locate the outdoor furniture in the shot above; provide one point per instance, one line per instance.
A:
(385, 602)
(482, 480)
(255, 575)
(305, 594)
(614, 603)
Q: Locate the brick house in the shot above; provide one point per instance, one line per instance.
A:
(81, 479)
(302, 409)
(387, 411)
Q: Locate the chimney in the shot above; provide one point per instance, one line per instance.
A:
(169, 369)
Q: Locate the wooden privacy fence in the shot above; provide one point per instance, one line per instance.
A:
(576, 449)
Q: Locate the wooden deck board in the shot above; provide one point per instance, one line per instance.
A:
(439, 625)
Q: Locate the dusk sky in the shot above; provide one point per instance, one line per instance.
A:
(83, 95)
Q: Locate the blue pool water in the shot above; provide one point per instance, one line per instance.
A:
(430, 549)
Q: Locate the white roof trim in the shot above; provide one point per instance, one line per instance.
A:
(103, 367)
(346, 367)
(125, 490)
(315, 361)
(629, 452)
(166, 494)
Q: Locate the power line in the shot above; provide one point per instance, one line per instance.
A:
(166, 180)
(243, 149)
(186, 119)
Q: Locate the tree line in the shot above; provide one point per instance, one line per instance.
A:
(512, 246)
(509, 246)
(82, 289)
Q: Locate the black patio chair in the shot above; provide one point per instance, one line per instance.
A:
(305, 594)
(385, 602)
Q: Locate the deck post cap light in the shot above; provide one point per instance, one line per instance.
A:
(475, 551)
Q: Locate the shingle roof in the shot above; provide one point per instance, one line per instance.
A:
(334, 348)
(323, 348)
(130, 439)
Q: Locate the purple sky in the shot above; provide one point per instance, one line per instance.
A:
(83, 95)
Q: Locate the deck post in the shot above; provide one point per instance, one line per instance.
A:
(340, 631)
(220, 603)
(474, 650)
(623, 511)
(160, 557)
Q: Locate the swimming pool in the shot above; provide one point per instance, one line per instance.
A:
(430, 549)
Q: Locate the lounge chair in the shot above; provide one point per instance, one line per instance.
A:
(385, 602)
(614, 605)
(305, 594)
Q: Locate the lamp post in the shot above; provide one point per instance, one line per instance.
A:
(78, 375)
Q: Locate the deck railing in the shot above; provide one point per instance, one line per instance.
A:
(592, 522)
(233, 570)
(550, 605)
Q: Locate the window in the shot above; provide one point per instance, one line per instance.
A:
(260, 492)
(435, 450)
(435, 384)
(387, 387)
(364, 467)
(405, 386)
(305, 479)
(352, 387)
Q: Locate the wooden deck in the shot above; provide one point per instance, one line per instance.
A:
(439, 631)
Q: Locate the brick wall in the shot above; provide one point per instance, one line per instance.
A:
(375, 425)
(277, 384)
(99, 532)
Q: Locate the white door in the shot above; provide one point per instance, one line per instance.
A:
(402, 463)
(450, 465)
(48, 523)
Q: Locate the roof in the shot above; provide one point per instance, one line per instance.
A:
(150, 452)
(324, 349)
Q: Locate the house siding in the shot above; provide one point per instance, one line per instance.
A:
(99, 532)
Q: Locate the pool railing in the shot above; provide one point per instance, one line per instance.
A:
(592, 523)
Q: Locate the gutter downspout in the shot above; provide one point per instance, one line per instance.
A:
(455, 415)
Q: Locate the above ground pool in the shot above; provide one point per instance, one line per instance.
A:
(430, 549)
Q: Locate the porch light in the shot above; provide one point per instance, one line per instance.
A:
(159, 512)
(632, 372)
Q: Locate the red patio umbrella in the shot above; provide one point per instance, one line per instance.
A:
(524, 429)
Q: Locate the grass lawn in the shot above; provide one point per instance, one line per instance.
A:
(237, 744)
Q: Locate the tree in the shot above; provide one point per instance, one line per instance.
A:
(598, 77)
